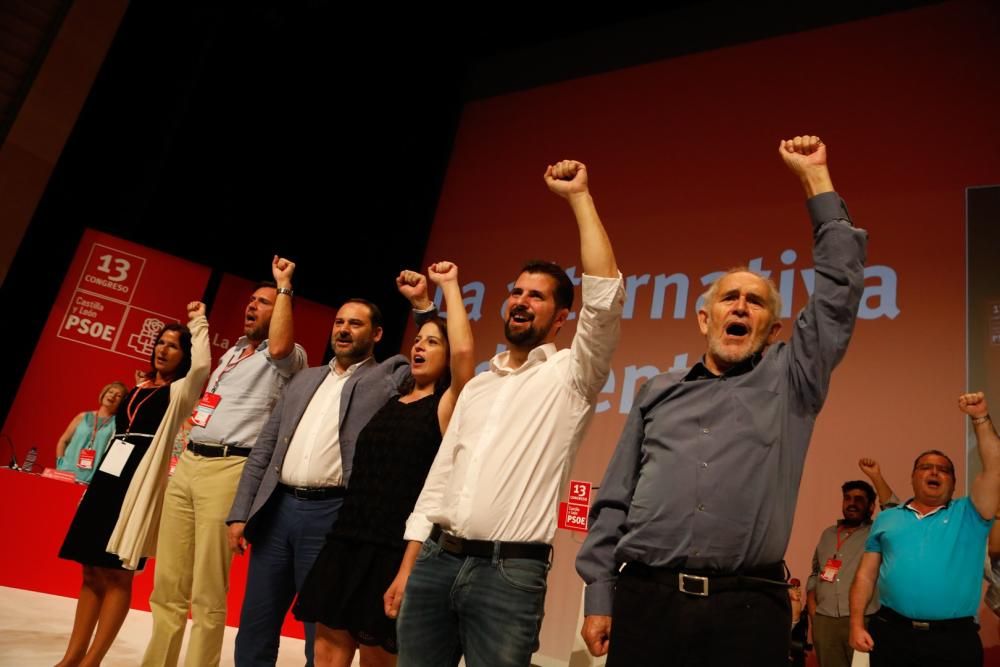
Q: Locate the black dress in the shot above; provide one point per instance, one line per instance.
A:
(87, 539)
(344, 588)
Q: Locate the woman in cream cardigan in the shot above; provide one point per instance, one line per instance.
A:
(115, 526)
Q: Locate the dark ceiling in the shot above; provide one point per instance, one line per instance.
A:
(226, 132)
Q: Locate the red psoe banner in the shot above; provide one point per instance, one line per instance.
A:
(573, 514)
(573, 517)
(116, 297)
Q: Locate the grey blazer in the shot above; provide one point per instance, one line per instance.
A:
(367, 390)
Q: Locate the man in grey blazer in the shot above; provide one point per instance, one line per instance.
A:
(294, 479)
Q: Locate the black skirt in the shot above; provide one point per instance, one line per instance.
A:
(344, 590)
(87, 539)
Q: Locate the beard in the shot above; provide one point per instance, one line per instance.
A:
(854, 522)
(357, 351)
(256, 330)
(734, 357)
(530, 336)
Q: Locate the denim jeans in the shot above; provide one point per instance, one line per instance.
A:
(286, 544)
(487, 609)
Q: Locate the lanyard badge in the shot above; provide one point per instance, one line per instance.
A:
(205, 409)
(86, 459)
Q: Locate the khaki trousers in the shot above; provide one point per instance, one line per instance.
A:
(193, 561)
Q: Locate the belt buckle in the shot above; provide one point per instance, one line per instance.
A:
(921, 625)
(684, 579)
(225, 451)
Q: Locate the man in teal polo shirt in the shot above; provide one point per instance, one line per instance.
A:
(927, 557)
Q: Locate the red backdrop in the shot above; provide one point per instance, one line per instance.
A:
(683, 165)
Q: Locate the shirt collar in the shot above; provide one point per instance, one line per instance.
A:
(350, 369)
(919, 514)
(498, 364)
(701, 372)
(243, 341)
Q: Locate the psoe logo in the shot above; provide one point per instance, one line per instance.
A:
(143, 341)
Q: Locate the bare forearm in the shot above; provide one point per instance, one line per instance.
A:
(986, 487)
(860, 595)
(989, 444)
(460, 343)
(816, 181)
(596, 255)
(281, 335)
(882, 488)
(67, 436)
(410, 557)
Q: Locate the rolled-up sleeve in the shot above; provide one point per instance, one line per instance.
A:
(597, 333)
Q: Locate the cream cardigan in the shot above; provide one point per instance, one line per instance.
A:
(135, 533)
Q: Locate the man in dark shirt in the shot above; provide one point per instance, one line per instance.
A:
(698, 499)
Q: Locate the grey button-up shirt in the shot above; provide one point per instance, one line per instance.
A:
(249, 389)
(832, 596)
(706, 472)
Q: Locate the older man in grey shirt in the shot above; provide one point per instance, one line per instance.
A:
(698, 499)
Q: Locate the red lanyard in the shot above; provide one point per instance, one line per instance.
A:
(839, 541)
(98, 426)
(130, 413)
(230, 366)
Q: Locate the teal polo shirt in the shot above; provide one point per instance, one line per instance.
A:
(932, 567)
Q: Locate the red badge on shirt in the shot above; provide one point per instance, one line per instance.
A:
(206, 407)
(830, 570)
(86, 460)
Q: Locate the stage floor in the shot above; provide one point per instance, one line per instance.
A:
(34, 629)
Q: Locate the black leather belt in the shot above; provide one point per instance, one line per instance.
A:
(894, 617)
(703, 583)
(215, 451)
(458, 546)
(317, 493)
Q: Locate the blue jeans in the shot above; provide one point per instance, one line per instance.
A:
(488, 609)
(287, 540)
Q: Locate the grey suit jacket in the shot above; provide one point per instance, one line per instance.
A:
(367, 390)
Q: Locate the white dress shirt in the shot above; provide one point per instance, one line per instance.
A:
(514, 433)
(313, 458)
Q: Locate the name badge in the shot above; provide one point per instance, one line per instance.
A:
(173, 466)
(205, 409)
(830, 570)
(86, 460)
(116, 458)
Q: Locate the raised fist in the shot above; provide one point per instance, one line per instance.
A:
(566, 177)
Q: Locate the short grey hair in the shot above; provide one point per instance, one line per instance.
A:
(773, 295)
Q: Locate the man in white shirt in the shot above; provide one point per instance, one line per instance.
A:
(294, 481)
(487, 513)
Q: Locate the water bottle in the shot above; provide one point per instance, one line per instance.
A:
(29, 459)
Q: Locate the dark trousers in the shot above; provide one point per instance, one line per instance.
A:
(655, 624)
(285, 545)
(898, 644)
